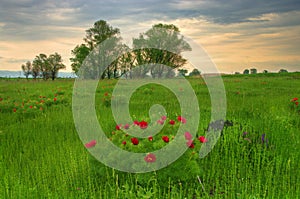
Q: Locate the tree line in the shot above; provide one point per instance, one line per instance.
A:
(157, 54)
(43, 66)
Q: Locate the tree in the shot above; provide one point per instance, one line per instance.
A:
(35, 71)
(55, 64)
(41, 61)
(80, 52)
(265, 71)
(253, 70)
(195, 72)
(100, 32)
(282, 71)
(246, 72)
(182, 72)
(26, 68)
(159, 49)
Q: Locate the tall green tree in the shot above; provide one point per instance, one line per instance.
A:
(159, 47)
(41, 61)
(55, 63)
(195, 72)
(80, 52)
(26, 68)
(99, 33)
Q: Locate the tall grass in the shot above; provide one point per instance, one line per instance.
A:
(41, 155)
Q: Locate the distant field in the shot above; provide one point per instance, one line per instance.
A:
(258, 156)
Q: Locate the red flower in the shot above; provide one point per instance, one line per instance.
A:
(106, 94)
(118, 127)
(1, 99)
(14, 110)
(54, 99)
(150, 138)
(30, 106)
(163, 118)
(136, 123)
(126, 126)
(165, 139)
(181, 119)
(172, 122)
(202, 139)
(124, 143)
(91, 144)
(190, 144)
(143, 124)
(160, 122)
(297, 103)
(188, 136)
(150, 158)
(294, 99)
(41, 108)
(134, 141)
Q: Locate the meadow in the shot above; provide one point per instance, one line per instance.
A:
(257, 156)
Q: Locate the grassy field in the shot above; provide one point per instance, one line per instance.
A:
(41, 155)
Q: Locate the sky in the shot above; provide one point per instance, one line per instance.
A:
(236, 34)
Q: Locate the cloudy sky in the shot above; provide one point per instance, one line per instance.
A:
(237, 34)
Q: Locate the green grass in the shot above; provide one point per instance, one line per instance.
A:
(41, 155)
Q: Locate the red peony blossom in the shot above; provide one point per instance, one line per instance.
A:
(54, 99)
(297, 103)
(295, 99)
(126, 126)
(172, 122)
(150, 158)
(136, 123)
(188, 136)
(124, 143)
(30, 107)
(163, 118)
(14, 110)
(118, 127)
(190, 144)
(90, 144)
(160, 122)
(150, 138)
(143, 124)
(134, 141)
(165, 139)
(202, 139)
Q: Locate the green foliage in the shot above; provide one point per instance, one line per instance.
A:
(43, 157)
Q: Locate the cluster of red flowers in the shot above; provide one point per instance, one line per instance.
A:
(150, 157)
(295, 101)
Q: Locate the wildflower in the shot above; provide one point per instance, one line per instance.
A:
(297, 103)
(106, 94)
(134, 141)
(118, 127)
(124, 143)
(160, 122)
(150, 157)
(163, 118)
(54, 99)
(136, 123)
(245, 133)
(143, 124)
(295, 99)
(30, 107)
(181, 119)
(190, 144)
(126, 126)
(165, 139)
(202, 139)
(14, 110)
(1, 99)
(188, 136)
(172, 122)
(91, 144)
(150, 138)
